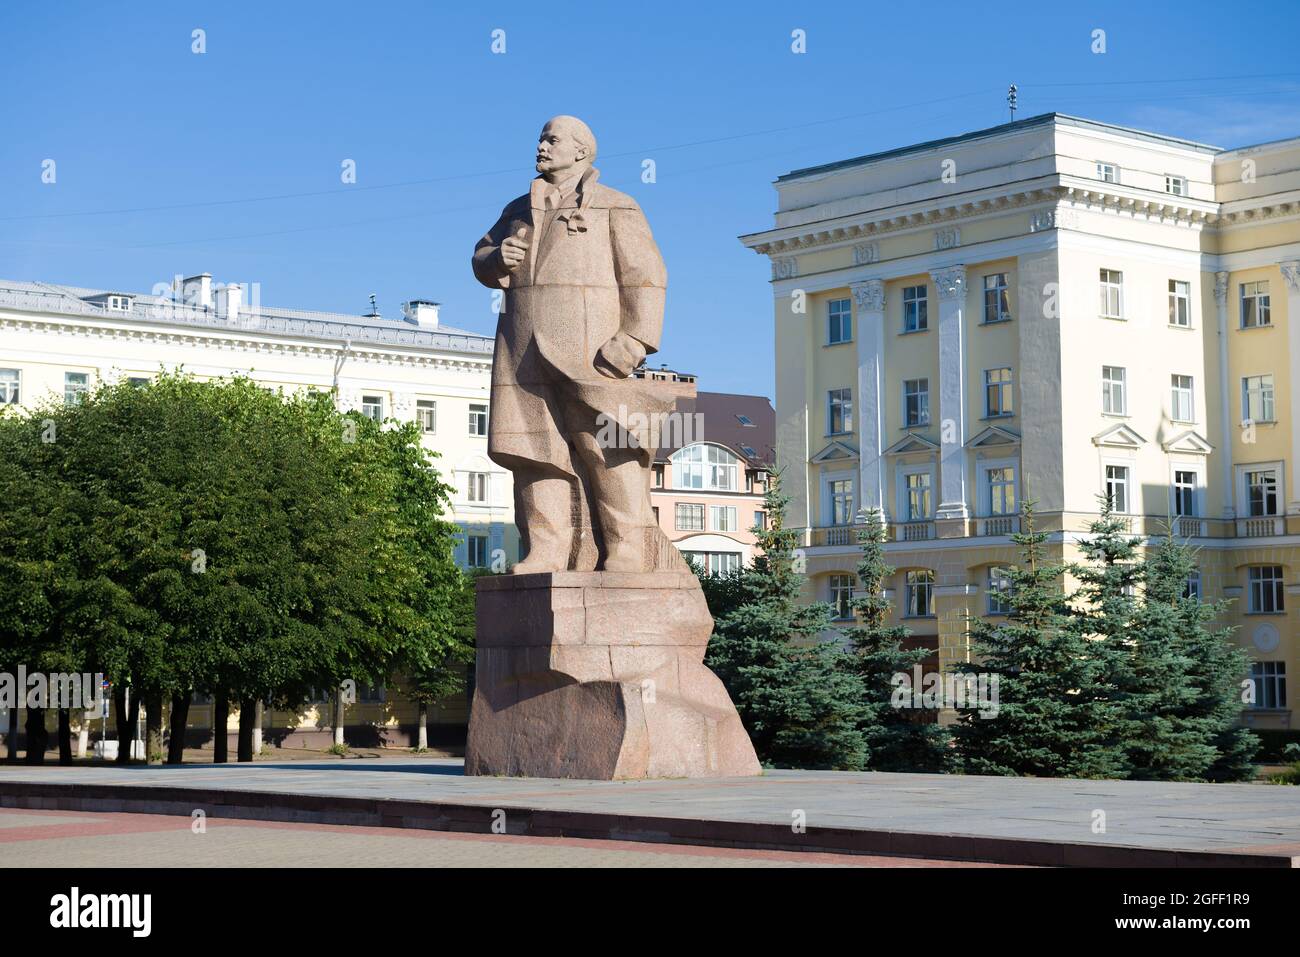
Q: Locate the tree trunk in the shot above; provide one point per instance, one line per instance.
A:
(220, 721)
(422, 742)
(11, 739)
(338, 716)
(247, 715)
(125, 724)
(153, 743)
(36, 736)
(65, 737)
(258, 718)
(180, 717)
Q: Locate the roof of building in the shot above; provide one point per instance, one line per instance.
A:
(253, 318)
(723, 418)
(1043, 119)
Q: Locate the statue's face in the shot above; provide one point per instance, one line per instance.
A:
(557, 150)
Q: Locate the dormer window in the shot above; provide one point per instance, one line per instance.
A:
(119, 303)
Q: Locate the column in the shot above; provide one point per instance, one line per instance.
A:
(951, 283)
(869, 303)
(1291, 280)
(1225, 399)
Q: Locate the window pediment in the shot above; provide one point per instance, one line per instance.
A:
(835, 452)
(1118, 437)
(994, 437)
(911, 442)
(1189, 442)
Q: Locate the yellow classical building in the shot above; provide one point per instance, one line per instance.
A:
(1049, 309)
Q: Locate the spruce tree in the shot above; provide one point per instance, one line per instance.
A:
(1104, 612)
(798, 699)
(898, 739)
(1049, 720)
(1186, 710)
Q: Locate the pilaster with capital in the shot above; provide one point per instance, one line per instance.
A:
(869, 303)
(1291, 285)
(1225, 396)
(951, 285)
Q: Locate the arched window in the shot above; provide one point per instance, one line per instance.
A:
(704, 466)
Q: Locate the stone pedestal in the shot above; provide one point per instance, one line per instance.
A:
(600, 675)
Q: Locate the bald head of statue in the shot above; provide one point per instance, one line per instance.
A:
(565, 147)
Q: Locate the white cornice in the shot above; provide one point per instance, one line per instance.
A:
(230, 342)
(1069, 192)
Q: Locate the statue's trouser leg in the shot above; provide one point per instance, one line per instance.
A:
(621, 487)
(544, 514)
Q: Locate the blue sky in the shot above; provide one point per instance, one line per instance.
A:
(442, 130)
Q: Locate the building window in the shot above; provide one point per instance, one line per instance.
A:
(703, 466)
(997, 392)
(1176, 185)
(841, 501)
(1181, 398)
(426, 413)
(1114, 398)
(370, 694)
(1261, 493)
(839, 413)
(372, 407)
(1002, 491)
(1180, 303)
(918, 496)
(689, 518)
(715, 563)
(477, 487)
(1269, 678)
(1254, 305)
(137, 381)
(119, 303)
(10, 380)
(1112, 294)
(842, 595)
(1117, 487)
(840, 321)
(658, 476)
(915, 309)
(997, 298)
(478, 420)
(1192, 589)
(1184, 493)
(1107, 172)
(760, 521)
(723, 517)
(916, 402)
(1257, 398)
(1265, 589)
(476, 550)
(919, 594)
(75, 385)
(999, 591)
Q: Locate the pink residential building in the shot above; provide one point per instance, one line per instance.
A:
(711, 471)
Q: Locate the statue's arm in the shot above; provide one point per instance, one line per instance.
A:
(642, 278)
(488, 267)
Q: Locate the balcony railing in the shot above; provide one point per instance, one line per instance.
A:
(998, 525)
(1261, 527)
(913, 531)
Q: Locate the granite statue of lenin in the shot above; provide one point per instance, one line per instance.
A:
(590, 658)
(584, 287)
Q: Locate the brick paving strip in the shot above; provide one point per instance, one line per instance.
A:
(996, 820)
(45, 829)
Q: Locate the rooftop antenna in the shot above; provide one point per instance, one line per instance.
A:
(1011, 101)
(374, 309)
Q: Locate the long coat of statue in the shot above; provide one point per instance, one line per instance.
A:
(592, 269)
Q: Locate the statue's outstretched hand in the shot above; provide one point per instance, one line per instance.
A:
(619, 356)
